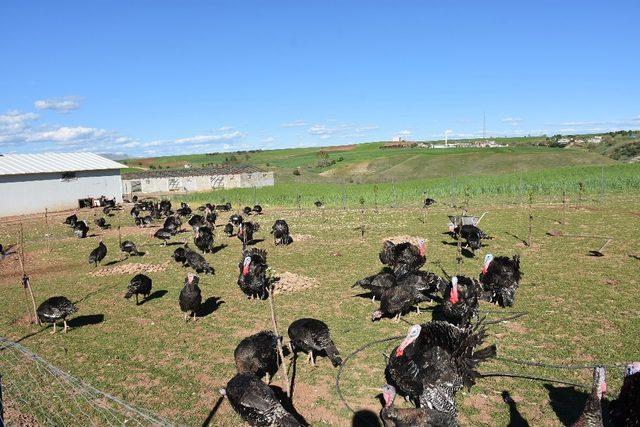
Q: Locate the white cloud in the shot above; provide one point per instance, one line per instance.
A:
(269, 140)
(61, 105)
(201, 139)
(513, 121)
(295, 124)
(404, 132)
(15, 117)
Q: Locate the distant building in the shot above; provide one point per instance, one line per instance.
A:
(564, 140)
(595, 140)
(399, 144)
(31, 183)
(196, 179)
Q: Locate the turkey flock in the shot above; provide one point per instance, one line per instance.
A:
(428, 367)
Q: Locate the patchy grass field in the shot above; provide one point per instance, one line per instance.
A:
(581, 309)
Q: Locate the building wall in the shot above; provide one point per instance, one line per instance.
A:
(199, 183)
(26, 194)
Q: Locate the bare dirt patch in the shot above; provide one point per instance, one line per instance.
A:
(339, 148)
(301, 237)
(290, 282)
(401, 239)
(133, 268)
(14, 416)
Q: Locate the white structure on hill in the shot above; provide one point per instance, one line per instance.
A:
(223, 176)
(31, 183)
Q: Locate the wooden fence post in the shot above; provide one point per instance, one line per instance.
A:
(279, 342)
(47, 231)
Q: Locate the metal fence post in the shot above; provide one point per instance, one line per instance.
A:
(1, 405)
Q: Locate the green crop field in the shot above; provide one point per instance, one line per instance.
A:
(579, 309)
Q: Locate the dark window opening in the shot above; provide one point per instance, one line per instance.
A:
(69, 176)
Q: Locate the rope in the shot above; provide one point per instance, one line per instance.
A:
(530, 377)
(344, 363)
(554, 366)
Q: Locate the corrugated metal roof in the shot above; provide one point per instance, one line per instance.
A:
(221, 169)
(21, 164)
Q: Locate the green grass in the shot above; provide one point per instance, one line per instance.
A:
(580, 309)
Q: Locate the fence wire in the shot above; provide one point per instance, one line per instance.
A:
(34, 392)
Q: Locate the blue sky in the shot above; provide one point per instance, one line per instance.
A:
(176, 77)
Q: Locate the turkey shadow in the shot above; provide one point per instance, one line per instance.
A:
(154, 295)
(288, 404)
(365, 295)
(174, 244)
(90, 319)
(213, 412)
(568, 403)
(515, 417)
(365, 418)
(218, 248)
(634, 256)
(115, 261)
(254, 241)
(518, 238)
(210, 305)
(467, 253)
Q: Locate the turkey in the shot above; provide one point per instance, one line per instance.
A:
(197, 221)
(312, 335)
(252, 279)
(245, 232)
(591, 415)
(172, 224)
(98, 254)
(500, 277)
(71, 220)
(472, 234)
(377, 284)
(81, 229)
(164, 235)
(180, 255)
(280, 231)
(235, 220)
(197, 262)
(319, 204)
(257, 209)
(403, 257)
(211, 216)
(460, 304)
(425, 281)
(107, 211)
(55, 309)
(625, 410)
(256, 402)
(184, 210)
(190, 297)
(102, 223)
(399, 299)
(435, 360)
(246, 210)
(228, 229)
(257, 355)
(129, 248)
(410, 417)
(204, 239)
(428, 202)
(139, 285)
(224, 208)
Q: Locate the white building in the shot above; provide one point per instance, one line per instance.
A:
(31, 183)
(196, 179)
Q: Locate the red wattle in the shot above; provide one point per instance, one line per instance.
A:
(453, 298)
(245, 270)
(399, 352)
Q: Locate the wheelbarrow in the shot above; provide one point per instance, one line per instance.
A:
(460, 220)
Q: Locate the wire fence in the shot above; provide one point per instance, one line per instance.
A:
(34, 392)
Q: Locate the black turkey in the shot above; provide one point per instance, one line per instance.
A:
(54, 310)
(246, 210)
(253, 279)
(180, 255)
(139, 285)
(377, 284)
(197, 221)
(164, 235)
(500, 278)
(228, 229)
(312, 335)
(424, 281)
(144, 221)
(412, 417)
(460, 303)
(210, 216)
(472, 234)
(428, 202)
(172, 224)
(245, 232)
(204, 239)
(224, 208)
(256, 403)
(190, 297)
(81, 229)
(257, 355)
(404, 257)
(98, 254)
(236, 220)
(71, 220)
(591, 415)
(257, 209)
(280, 231)
(102, 223)
(319, 204)
(197, 262)
(129, 248)
(435, 360)
(398, 300)
(625, 410)
(184, 210)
